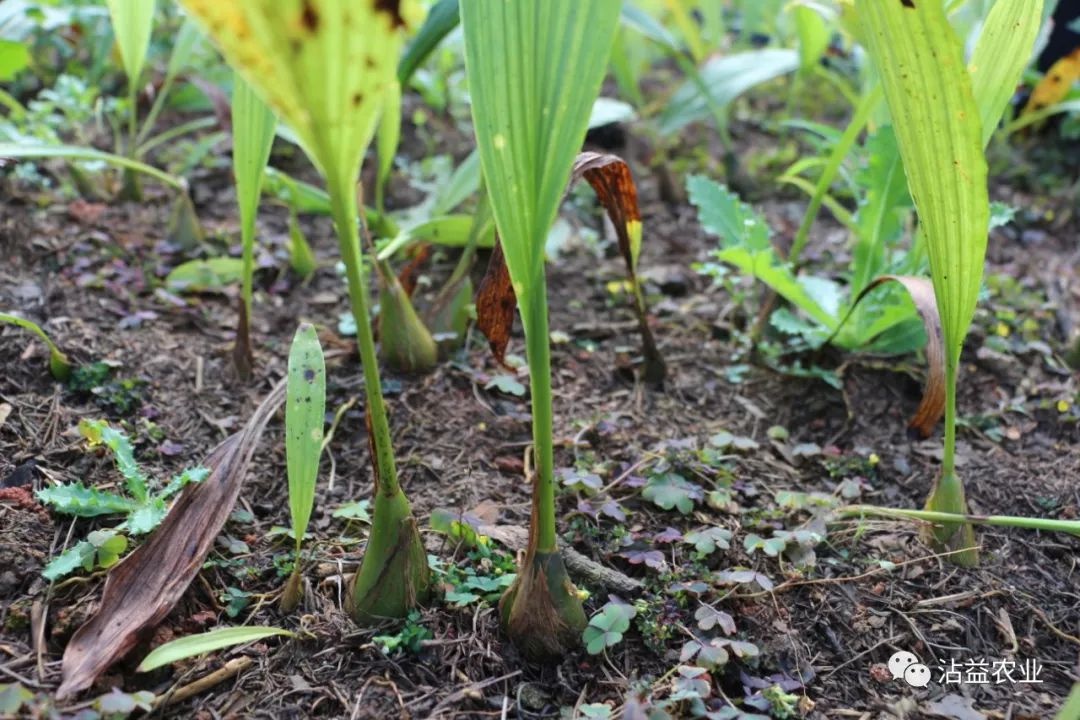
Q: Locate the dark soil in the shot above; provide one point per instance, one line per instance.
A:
(93, 273)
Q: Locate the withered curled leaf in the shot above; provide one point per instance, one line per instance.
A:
(495, 303)
(921, 291)
(613, 183)
(143, 589)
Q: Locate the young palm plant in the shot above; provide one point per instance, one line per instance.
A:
(943, 114)
(534, 69)
(325, 67)
(253, 135)
(305, 408)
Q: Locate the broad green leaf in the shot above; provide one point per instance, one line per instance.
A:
(99, 432)
(132, 21)
(1001, 54)
(14, 57)
(534, 71)
(212, 275)
(192, 645)
(929, 91)
(745, 245)
(305, 406)
(324, 66)
(726, 77)
(77, 499)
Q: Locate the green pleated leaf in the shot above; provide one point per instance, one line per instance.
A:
(1001, 54)
(192, 645)
(132, 21)
(534, 71)
(304, 410)
(929, 91)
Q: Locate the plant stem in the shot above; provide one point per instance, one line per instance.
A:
(538, 350)
(840, 151)
(1026, 523)
(345, 214)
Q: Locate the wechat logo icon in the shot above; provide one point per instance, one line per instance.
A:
(906, 666)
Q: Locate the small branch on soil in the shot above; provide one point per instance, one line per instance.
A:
(583, 568)
(228, 670)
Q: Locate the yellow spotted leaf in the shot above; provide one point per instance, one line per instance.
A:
(303, 57)
(1055, 85)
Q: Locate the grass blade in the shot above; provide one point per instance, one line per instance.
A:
(202, 643)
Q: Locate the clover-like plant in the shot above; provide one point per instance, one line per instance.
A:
(534, 71)
(326, 68)
(143, 507)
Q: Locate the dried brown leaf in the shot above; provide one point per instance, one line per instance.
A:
(495, 303)
(611, 180)
(143, 589)
(921, 292)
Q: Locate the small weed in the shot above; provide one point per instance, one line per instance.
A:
(410, 638)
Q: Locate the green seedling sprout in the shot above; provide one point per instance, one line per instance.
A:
(305, 408)
(325, 67)
(530, 123)
(59, 365)
(132, 21)
(253, 126)
(940, 112)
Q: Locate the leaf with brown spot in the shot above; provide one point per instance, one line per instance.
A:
(611, 180)
(144, 588)
(1056, 84)
(921, 292)
(495, 304)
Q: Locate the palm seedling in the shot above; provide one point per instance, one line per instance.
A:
(534, 69)
(305, 406)
(943, 114)
(132, 22)
(253, 134)
(325, 67)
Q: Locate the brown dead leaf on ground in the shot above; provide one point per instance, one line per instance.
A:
(143, 589)
(921, 292)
